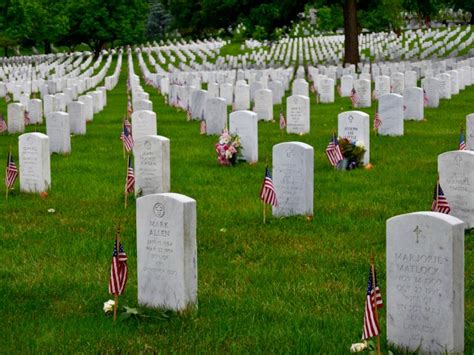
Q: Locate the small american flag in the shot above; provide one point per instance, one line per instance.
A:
(425, 98)
(130, 180)
(333, 152)
(202, 128)
(313, 88)
(462, 142)
(282, 120)
(128, 85)
(354, 97)
(118, 270)
(440, 204)
(11, 172)
(178, 101)
(7, 98)
(129, 107)
(267, 192)
(377, 120)
(126, 137)
(26, 117)
(3, 124)
(373, 299)
(189, 115)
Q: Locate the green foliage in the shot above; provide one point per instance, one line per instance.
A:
(159, 21)
(97, 22)
(383, 15)
(37, 21)
(329, 18)
(195, 18)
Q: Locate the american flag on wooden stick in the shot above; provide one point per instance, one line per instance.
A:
(26, 117)
(354, 97)
(118, 270)
(130, 180)
(333, 151)
(267, 192)
(7, 98)
(11, 171)
(126, 137)
(189, 115)
(440, 203)
(129, 107)
(202, 128)
(425, 98)
(373, 300)
(282, 120)
(377, 120)
(462, 142)
(3, 124)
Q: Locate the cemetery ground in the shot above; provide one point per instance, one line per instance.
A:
(292, 284)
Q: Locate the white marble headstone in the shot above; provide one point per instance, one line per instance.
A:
(413, 107)
(16, 118)
(425, 282)
(36, 111)
(215, 115)
(152, 165)
(263, 104)
(35, 166)
(355, 126)
(58, 129)
(297, 114)
(77, 116)
(167, 251)
(431, 87)
(470, 131)
(293, 178)
(245, 124)
(391, 115)
(456, 177)
(143, 124)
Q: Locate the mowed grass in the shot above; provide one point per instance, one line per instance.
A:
(291, 285)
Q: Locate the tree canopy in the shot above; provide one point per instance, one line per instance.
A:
(99, 23)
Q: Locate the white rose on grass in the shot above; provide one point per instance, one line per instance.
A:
(109, 306)
(358, 347)
(360, 144)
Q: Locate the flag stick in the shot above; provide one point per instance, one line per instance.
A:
(372, 270)
(115, 307)
(117, 241)
(264, 212)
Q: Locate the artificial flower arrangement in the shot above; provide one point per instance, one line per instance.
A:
(228, 148)
(353, 152)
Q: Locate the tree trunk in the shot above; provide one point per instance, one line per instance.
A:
(99, 45)
(351, 40)
(47, 47)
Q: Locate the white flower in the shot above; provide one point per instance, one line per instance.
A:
(358, 347)
(51, 210)
(109, 306)
(360, 144)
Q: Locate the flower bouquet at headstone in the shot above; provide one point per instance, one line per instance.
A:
(228, 148)
(353, 153)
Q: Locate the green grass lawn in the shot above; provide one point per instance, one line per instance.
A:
(291, 285)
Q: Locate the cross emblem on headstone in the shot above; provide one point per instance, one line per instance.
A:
(417, 231)
(458, 159)
(350, 118)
